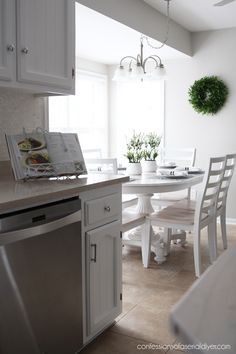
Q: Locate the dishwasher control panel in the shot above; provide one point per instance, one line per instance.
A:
(39, 215)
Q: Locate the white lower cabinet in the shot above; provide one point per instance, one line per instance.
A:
(102, 258)
(103, 275)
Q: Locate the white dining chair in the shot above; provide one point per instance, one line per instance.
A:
(184, 157)
(194, 216)
(101, 165)
(223, 193)
(181, 156)
(109, 165)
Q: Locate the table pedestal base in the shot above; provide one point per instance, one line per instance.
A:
(144, 205)
(157, 246)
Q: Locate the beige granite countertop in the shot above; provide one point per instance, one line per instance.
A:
(15, 195)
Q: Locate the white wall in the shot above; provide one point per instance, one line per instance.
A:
(88, 65)
(143, 18)
(214, 54)
(18, 110)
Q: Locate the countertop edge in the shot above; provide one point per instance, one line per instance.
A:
(16, 195)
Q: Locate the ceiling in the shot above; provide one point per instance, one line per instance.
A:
(198, 15)
(104, 40)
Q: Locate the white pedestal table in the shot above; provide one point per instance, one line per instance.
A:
(144, 186)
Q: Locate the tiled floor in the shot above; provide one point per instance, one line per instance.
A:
(148, 295)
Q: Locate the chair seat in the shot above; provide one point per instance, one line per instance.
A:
(166, 199)
(172, 196)
(177, 214)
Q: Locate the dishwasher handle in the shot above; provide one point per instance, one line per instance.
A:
(18, 235)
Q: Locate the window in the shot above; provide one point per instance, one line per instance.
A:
(139, 107)
(132, 106)
(85, 113)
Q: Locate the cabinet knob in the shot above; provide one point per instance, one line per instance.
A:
(25, 50)
(107, 208)
(10, 48)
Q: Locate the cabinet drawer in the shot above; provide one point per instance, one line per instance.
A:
(100, 209)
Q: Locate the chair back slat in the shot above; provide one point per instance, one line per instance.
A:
(216, 172)
(225, 179)
(212, 184)
(209, 197)
(206, 203)
(230, 167)
(108, 165)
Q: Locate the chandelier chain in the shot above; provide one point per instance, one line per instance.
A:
(167, 30)
(138, 67)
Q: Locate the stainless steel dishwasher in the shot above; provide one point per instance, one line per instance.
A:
(40, 280)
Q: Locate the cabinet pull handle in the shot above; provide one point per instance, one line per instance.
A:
(25, 50)
(10, 48)
(94, 259)
(107, 208)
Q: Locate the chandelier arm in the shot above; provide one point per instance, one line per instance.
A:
(130, 64)
(154, 55)
(128, 56)
(145, 61)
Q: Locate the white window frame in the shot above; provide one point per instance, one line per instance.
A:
(95, 75)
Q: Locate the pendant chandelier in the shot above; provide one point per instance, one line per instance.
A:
(136, 68)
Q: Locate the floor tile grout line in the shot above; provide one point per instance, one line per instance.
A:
(126, 313)
(140, 339)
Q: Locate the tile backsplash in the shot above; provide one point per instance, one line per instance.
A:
(18, 110)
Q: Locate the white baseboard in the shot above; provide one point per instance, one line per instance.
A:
(231, 221)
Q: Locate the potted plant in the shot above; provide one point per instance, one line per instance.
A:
(150, 152)
(134, 154)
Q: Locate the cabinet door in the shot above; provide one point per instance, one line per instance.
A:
(7, 40)
(103, 276)
(46, 42)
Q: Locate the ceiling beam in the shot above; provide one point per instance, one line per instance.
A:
(143, 18)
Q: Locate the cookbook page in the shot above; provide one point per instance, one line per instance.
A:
(65, 152)
(29, 155)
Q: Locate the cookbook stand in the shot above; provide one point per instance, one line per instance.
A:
(49, 170)
(55, 156)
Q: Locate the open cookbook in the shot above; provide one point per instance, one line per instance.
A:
(44, 154)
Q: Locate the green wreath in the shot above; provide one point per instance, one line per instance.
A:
(208, 95)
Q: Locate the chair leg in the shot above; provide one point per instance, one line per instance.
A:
(167, 240)
(196, 252)
(175, 231)
(212, 243)
(146, 243)
(223, 228)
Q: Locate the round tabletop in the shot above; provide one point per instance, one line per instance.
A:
(153, 183)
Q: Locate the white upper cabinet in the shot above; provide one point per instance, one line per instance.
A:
(46, 37)
(37, 45)
(7, 40)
